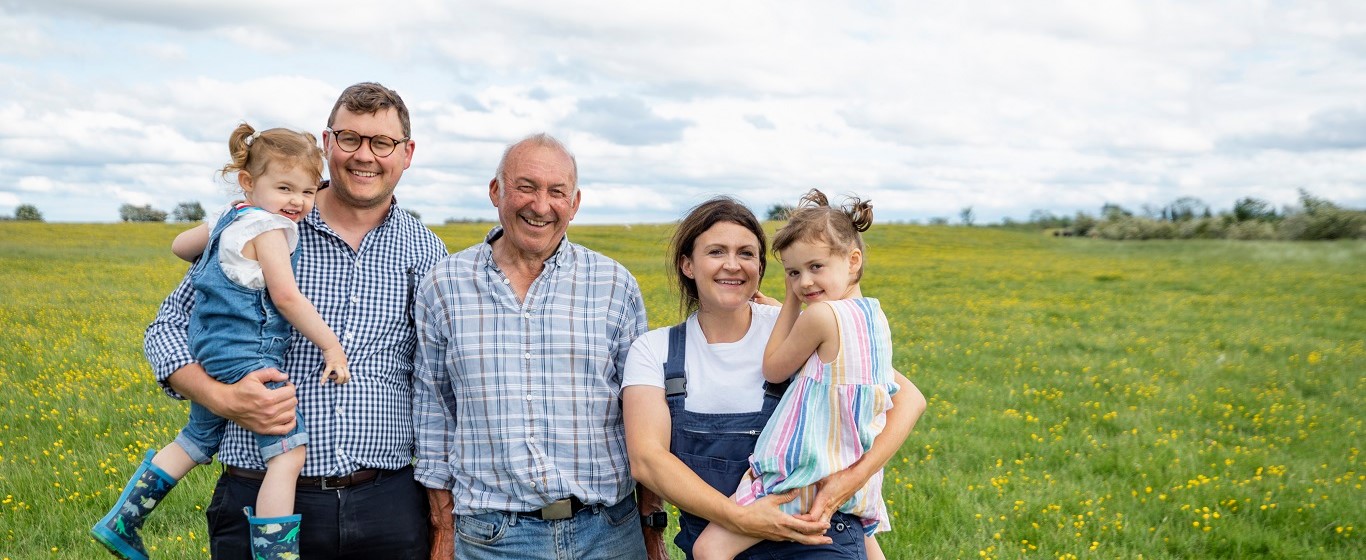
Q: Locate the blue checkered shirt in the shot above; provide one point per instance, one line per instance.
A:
(518, 403)
(365, 296)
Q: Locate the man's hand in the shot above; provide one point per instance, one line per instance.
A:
(647, 502)
(441, 505)
(763, 519)
(654, 544)
(253, 406)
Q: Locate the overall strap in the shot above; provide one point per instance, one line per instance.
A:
(675, 377)
(211, 247)
(773, 392)
(675, 380)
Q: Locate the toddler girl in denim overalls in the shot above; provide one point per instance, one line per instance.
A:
(245, 301)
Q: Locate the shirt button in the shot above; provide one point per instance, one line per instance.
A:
(505, 281)
(533, 484)
(531, 440)
(527, 315)
(355, 299)
(349, 335)
(526, 356)
(340, 411)
(530, 398)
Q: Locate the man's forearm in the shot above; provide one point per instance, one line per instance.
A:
(441, 516)
(195, 384)
(248, 402)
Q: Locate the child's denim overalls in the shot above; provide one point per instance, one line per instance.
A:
(717, 447)
(233, 331)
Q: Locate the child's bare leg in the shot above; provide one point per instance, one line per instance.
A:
(718, 543)
(174, 461)
(874, 551)
(276, 498)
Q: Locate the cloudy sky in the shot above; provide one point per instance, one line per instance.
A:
(925, 107)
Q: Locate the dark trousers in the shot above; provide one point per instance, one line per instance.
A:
(386, 518)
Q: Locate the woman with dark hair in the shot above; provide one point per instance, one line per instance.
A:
(695, 399)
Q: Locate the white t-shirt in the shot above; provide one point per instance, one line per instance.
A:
(241, 270)
(723, 378)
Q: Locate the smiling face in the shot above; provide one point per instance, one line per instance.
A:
(360, 179)
(287, 191)
(815, 273)
(725, 265)
(536, 200)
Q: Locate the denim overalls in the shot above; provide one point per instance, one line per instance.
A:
(233, 331)
(717, 447)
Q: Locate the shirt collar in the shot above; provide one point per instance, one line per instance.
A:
(315, 219)
(560, 256)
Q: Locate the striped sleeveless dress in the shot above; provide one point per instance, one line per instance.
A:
(829, 417)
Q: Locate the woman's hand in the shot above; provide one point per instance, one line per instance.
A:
(764, 520)
(834, 490)
(831, 493)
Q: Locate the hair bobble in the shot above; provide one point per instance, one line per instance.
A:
(253, 138)
(813, 198)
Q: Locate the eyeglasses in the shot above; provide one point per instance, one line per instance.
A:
(380, 145)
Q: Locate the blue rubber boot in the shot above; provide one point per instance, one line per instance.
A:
(118, 530)
(274, 538)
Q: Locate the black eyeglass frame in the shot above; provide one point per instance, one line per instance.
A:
(367, 140)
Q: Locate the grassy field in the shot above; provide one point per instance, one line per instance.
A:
(1088, 399)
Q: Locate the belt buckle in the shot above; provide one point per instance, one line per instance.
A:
(559, 509)
(322, 483)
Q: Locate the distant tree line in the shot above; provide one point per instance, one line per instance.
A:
(1189, 218)
(184, 212)
(24, 213)
(1184, 218)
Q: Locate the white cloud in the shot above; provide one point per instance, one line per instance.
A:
(927, 107)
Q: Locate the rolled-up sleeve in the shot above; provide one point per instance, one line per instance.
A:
(433, 400)
(167, 341)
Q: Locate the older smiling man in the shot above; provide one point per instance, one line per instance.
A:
(521, 344)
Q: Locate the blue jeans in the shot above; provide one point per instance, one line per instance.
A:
(595, 532)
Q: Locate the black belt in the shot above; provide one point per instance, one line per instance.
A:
(324, 482)
(558, 509)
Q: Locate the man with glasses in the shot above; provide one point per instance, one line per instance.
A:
(360, 259)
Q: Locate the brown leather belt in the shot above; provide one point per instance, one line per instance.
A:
(324, 482)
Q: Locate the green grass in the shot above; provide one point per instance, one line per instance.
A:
(1088, 399)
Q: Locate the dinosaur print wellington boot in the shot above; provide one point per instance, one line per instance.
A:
(274, 538)
(118, 530)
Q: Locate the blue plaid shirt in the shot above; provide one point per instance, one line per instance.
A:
(518, 403)
(365, 296)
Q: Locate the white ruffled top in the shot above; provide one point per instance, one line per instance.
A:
(241, 270)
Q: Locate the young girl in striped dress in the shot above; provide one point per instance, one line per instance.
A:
(838, 401)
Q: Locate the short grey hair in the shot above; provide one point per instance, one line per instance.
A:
(543, 140)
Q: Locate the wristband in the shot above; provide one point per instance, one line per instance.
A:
(656, 520)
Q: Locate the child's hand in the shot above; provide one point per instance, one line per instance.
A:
(334, 366)
(762, 299)
(793, 296)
